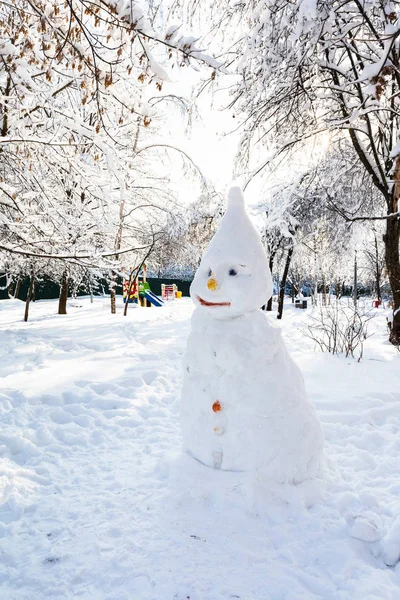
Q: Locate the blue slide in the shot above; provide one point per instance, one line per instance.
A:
(155, 300)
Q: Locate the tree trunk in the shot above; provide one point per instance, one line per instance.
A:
(314, 298)
(118, 242)
(7, 91)
(338, 287)
(10, 289)
(271, 266)
(62, 303)
(392, 239)
(113, 293)
(323, 290)
(30, 293)
(17, 287)
(392, 256)
(283, 283)
(377, 273)
(132, 282)
(355, 281)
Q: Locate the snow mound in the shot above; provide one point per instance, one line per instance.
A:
(98, 503)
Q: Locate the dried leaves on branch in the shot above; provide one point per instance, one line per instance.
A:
(82, 179)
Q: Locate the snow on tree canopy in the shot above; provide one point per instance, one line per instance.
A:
(234, 276)
(244, 405)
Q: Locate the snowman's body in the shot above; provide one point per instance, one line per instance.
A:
(244, 406)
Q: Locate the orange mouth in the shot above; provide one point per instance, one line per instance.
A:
(205, 303)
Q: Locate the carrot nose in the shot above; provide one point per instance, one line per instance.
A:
(212, 283)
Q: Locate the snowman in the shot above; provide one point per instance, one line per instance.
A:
(244, 405)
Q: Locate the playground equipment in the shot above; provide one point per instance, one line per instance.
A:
(139, 291)
(170, 292)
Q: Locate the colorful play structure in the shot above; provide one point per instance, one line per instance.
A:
(169, 292)
(139, 291)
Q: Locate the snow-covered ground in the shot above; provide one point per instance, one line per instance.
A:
(97, 502)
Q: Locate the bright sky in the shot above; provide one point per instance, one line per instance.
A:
(212, 141)
(207, 141)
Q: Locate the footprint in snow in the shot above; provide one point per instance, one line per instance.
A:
(366, 527)
(149, 376)
(82, 383)
(389, 548)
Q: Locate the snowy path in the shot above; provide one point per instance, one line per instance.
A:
(96, 502)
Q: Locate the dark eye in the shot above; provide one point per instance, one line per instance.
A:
(209, 273)
(232, 272)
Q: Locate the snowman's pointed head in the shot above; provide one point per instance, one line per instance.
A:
(233, 277)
